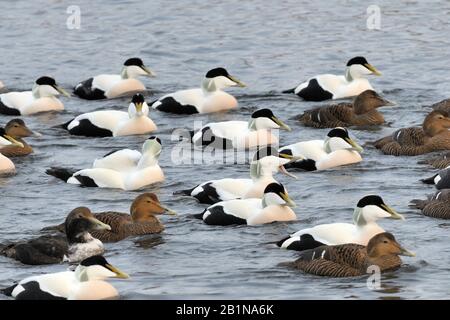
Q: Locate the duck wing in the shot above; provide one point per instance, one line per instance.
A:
(117, 221)
(337, 115)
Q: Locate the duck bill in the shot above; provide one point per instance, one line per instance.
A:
(355, 146)
(119, 274)
(283, 126)
(387, 103)
(138, 107)
(373, 69)
(238, 82)
(405, 252)
(290, 157)
(14, 141)
(168, 211)
(150, 73)
(62, 91)
(289, 201)
(393, 214)
(99, 225)
(284, 171)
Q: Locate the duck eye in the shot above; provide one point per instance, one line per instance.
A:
(385, 241)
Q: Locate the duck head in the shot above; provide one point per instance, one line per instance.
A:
(47, 87)
(78, 224)
(138, 107)
(218, 79)
(134, 67)
(265, 119)
(358, 67)
(267, 161)
(17, 129)
(371, 208)
(338, 139)
(146, 206)
(276, 194)
(97, 268)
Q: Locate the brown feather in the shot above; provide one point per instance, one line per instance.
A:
(436, 206)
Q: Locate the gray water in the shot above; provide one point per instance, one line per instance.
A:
(271, 47)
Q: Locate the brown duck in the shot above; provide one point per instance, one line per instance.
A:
(17, 130)
(350, 260)
(438, 162)
(436, 206)
(432, 136)
(362, 112)
(443, 105)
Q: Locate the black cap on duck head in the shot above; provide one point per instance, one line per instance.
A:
(95, 260)
(338, 132)
(46, 81)
(373, 200)
(217, 72)
(276, 188)
(2, 132)
(155, 138)
(134, 62)
(263, 113)
(264, 152)
(138, 98)
(357, 60)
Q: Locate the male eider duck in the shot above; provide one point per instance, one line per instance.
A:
(106, 123)
(433, 136)
(16, 129)
(241, 134)
(330, 86)
(114, 85)
(435, 206)
(368, 210)
(362, 112)
(42, 98)
(209, 98)
(85, 283)
(440, 180)
(77, 243)
(266, 162)
(274, 206)
(139, 170)
(141, 220)
(336, 150)
(352, 260)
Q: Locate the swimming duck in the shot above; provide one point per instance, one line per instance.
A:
(6, 165)
(440, 180)
(114, 123)
(330, 86)
(274, 206)
(368, 210)
(439, 162)
(114, 85)
(85, 283)
(42, 98)
(351, 260)
(76, 245)
(241, 134)
(266, 162)
(433, 136)
(336, 150)
(362, 112)
(209, 98)
(435, 206)
(145, 172)
(443, 105)
(16, 129)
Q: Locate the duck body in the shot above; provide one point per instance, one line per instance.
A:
(438, 162)
(435, 206)
(6, 166)
(440, 180)
(16, 130)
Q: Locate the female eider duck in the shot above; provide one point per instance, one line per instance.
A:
(114, 85)
(443, 105)
(16, 129)
(336, 150)
(440, 180)
(274, 206)
(42, 98)
(368, 210)
(438, 162)
(362, 112)
(330, 86)
(265, 164)
(77, 243)
(241, 134)
(139, 169)
(352, 260)
(106, 123)
(85, 283)
(433, 136)
(209, 98)
(6, 165)
(435, 206)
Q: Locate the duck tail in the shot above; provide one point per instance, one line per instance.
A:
(65, 125)
(289, 91)
(418, 204)
(60, 173)
(186, 192)
(199, 215)
(8, 291)
(429, 180)
(280, 243)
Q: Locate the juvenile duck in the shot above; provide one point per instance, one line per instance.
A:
(351, 260)
(362, 112)
(435, 206)
(433, 136)
(17, 130)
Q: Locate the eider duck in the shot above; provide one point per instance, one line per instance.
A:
(6, 165)
(435, 206)
(274, 206)
(440, 180)
(443, 105)
(17, 130)
(107, 86)
(433, 136)
(107, 123)
(352, 260)
(438, 162)
(362, 112)
(77, 243)
(368, 210)
(106, 174)
(209, 98)
(42, 98)
(85, 283)
(330, 86)
(265, 163)
(336, 150)
(241, 134)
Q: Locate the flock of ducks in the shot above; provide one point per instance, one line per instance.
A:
(334, 249)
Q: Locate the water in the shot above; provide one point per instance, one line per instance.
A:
(271, 49)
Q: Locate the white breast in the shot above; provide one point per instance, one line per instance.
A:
(93, 290)
(271, 214)
(6, 165)
(140, 178)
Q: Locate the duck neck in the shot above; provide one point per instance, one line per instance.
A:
(35, 92)
(257, 171)
(384, 262)
(82, 237)
(209, 86)
(147, 160)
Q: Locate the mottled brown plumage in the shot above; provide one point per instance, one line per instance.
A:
(432, 136)
(350, 260)
(443, 105)
(17, 129)
(436, 206)
(438, 162)
(362, 112)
